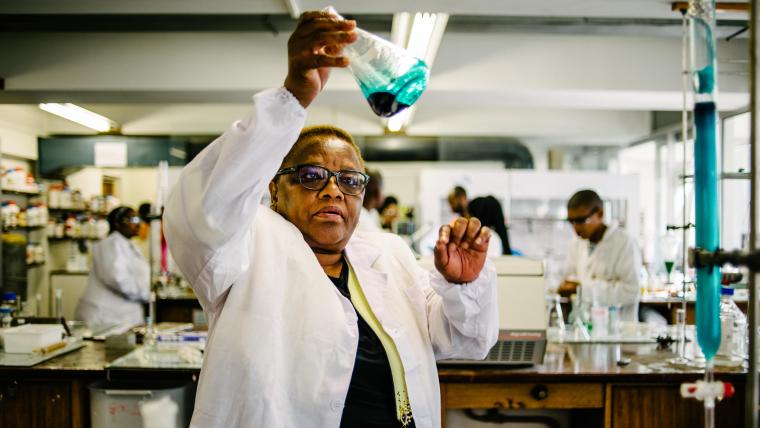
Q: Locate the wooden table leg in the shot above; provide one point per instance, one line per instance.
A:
(607, 406)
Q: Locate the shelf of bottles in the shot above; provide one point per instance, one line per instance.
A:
(74, 218)
(23, 218)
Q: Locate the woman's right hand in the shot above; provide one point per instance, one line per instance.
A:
(314, 47)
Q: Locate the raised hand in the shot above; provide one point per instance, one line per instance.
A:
(316, 45)
(461, 250)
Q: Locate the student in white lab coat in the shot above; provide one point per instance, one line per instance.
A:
(119, 282)
(311, 324)
(604, 260)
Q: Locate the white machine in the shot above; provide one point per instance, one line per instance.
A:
(522, 313)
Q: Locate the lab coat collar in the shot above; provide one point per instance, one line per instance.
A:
(362, 256)
(361, 253)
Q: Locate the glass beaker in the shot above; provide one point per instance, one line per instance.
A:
(391, 79)
(554, 317)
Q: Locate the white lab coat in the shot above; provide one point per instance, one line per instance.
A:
(118, 284)
(609, 273)
(282, 339)
(369, 221)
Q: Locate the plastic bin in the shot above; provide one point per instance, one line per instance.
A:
(26, 338)
(116, 404)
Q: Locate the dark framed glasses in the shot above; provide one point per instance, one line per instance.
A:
(315, 177)
(583, 220)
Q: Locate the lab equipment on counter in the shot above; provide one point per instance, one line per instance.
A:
(704, 66)
(554, 317)
(733, 328)
(390, 78)
(670, 246)
(704, 69)
(12, 302)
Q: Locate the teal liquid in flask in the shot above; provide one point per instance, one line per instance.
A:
(391, 79)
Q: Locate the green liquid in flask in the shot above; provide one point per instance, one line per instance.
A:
(400, 93)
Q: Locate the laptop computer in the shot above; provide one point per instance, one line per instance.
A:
(522, 314)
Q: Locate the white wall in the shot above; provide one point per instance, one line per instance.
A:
(19, 127)
(138, 185)
(88, 180)
(401, 179)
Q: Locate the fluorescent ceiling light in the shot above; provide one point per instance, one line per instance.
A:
(80, 115)
(419, 33)
(400, 120)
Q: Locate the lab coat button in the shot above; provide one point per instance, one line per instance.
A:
(336, 405)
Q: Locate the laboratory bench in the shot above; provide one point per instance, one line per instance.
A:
(586, 380)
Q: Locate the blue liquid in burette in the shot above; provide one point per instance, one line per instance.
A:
(707, 234)
(400, 93)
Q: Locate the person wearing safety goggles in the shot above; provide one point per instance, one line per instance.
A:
(119, 281)
(604, 260)
(311, 323)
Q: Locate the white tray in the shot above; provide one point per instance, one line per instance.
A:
(28, 360)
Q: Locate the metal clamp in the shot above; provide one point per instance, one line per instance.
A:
(701, 258)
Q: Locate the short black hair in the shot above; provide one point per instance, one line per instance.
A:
(316, 133)
(116, 216)
(488, 210)
(389, 200)
(586, 198)
(458, 191)
(144, 211)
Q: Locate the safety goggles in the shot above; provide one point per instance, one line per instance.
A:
(315, 177)
(583, 220)
(132, 220)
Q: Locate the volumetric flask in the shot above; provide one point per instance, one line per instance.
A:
(390, 78)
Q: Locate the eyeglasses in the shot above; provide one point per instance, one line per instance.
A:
(132, 220)
(583, 220)
(315, 177)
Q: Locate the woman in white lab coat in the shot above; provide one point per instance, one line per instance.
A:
(311, 324)
(119, 281)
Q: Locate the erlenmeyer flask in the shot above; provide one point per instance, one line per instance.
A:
(390, 78)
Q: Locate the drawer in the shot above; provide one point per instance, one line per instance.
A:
(523, 395)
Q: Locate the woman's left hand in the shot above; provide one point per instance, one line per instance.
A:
(461, 250)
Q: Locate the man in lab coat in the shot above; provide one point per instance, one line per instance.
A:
(604, 260)
(458, 201)
(310, 323)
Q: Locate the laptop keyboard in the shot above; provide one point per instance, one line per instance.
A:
(513, 351)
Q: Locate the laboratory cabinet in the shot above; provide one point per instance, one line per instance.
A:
(41, 403)
(661, 405)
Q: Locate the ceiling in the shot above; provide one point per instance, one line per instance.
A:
(548, 72)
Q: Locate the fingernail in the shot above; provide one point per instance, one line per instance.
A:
(478, 241)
